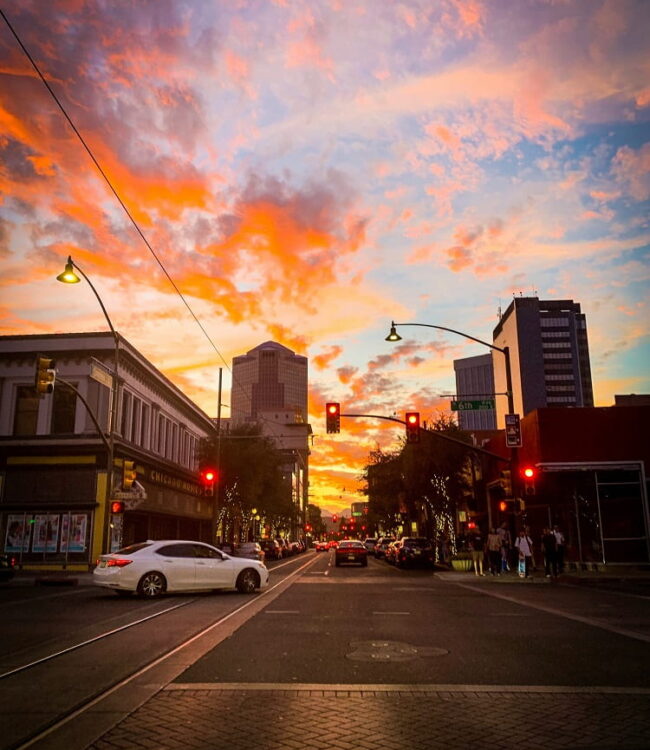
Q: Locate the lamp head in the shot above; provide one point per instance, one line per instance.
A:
(68, 276)
(393, 335)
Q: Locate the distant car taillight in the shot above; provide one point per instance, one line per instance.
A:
(120, 563)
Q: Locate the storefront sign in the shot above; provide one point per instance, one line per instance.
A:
(175, 483)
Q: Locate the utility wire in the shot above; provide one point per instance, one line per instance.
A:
(126, 210)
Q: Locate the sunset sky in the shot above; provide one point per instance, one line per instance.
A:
(308, 170)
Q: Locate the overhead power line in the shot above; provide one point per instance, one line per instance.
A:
(125, 208)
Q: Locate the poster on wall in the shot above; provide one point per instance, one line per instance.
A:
(17, 536)
(73, 532)
(46, 533)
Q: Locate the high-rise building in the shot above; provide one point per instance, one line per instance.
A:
(266, 378)
(269, 388)
(475, 382)
(549, 355)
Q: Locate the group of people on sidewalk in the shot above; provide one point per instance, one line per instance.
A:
(502, 555)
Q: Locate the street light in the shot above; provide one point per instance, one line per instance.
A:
(70, 277)
(394, 336)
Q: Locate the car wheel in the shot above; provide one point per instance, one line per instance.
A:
(364, 564)
(152, 585)
(247, 581)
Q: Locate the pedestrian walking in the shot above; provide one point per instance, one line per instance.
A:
(549, 547)
(524, 546)
(477, 547)
(506, 544)
(494, 552)
(560, 548)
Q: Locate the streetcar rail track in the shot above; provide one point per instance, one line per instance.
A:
(107, 634)
(85, 705)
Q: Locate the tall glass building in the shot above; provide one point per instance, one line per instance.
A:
(549, 355)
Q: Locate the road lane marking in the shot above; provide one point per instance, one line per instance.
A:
(559, 613)
(366, 688)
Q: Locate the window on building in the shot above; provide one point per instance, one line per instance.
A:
(125, 420)
(135, 419)
(162, 434)
(64, 411)
(144, 426)
(26, 414)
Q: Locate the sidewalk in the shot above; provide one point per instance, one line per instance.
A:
(51, 578)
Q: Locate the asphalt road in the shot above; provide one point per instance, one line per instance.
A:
(353, 625)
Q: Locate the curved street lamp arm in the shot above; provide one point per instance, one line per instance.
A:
(451, 330)
(99, 299)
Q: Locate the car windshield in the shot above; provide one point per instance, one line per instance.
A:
(132, 548)
(347, 545)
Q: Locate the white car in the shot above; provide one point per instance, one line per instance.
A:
(153, 568)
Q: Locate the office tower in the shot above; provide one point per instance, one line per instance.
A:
(266, 378)
(475, 382)
(549, 355)
(270, 388)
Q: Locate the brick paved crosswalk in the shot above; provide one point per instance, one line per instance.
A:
(326, 717)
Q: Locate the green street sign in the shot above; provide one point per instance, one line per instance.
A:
(482, 405)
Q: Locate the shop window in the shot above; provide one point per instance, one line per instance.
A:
(64, 411)
(26, 414)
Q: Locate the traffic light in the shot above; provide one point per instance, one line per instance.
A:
(529, 474)
(335, 519)
(129, 474)
(333, 416)
(208, 478)
(412, 419)
(506, 483)
(45, 375)
(117, 507)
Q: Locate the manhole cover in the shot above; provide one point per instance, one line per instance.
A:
(385, 651)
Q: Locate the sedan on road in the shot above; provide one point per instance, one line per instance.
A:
(351, 551)
(153, 568)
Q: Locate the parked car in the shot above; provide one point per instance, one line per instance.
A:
(351, 551)
(370, 543)
(153, 568)
(390, 555)
(382, 546)
(272, 549)
(7, 565)
(414, 551)
(296, 548)
(251, 550)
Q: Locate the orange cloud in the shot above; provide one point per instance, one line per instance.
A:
(323, 361)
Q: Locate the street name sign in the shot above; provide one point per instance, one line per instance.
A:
(480, 405)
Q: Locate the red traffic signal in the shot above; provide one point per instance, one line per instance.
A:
(333, 416)
(335, 519)
(208, 478)
(529, 473)
(412, 419)
(117, 507)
